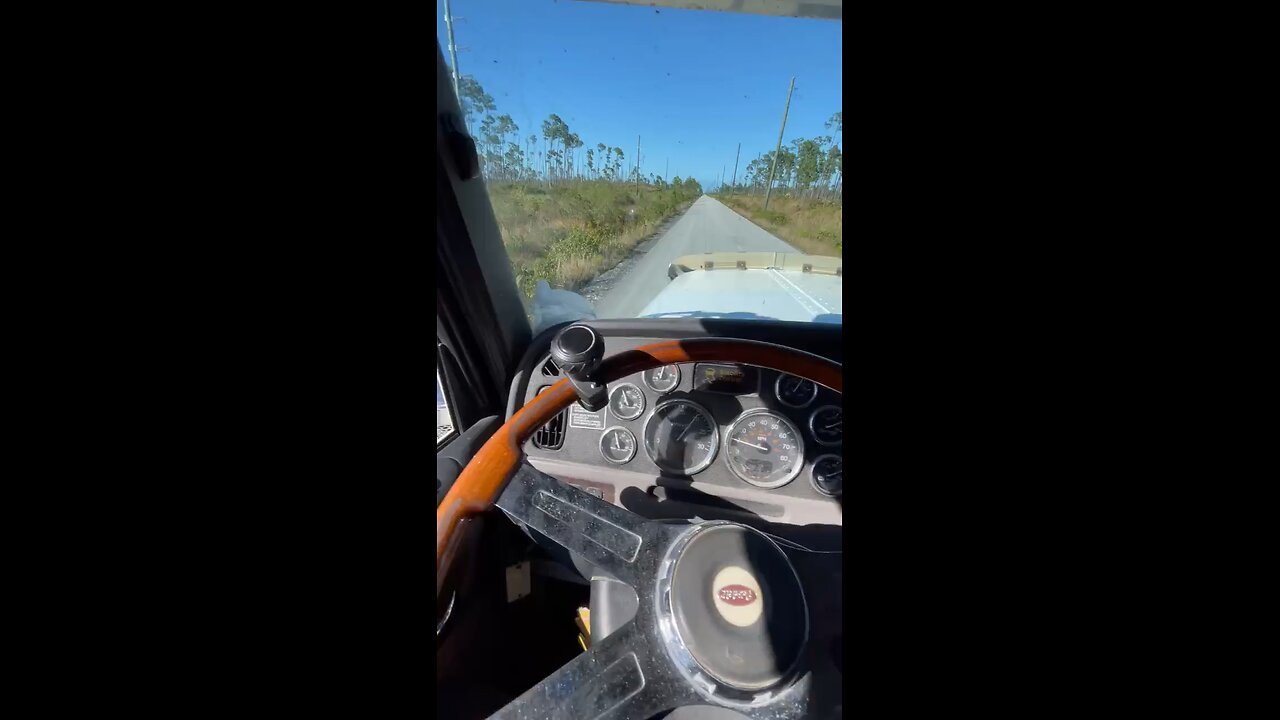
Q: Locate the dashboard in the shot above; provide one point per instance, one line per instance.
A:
(707, 440)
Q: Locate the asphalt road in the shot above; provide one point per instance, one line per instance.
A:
(707, 226)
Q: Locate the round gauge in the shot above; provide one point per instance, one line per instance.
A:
(618, 445)
(795, 392)
(764, 449)
(826, 475)
(825, 424)
(662, 379)
(681, 437)
(626, 401)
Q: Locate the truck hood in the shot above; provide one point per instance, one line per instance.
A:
(752, 285)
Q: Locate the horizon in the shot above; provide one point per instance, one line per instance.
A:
(691, 84)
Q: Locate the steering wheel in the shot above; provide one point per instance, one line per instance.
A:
(726, 615)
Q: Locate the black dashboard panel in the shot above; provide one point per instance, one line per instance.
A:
(817, 338)
(732, 392)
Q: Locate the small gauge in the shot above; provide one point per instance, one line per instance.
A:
(764, 449)
(618, 445)
(662, 379)
(826, 475)
(795, 392)
(681, 437)
(626, 401)
(826, 425)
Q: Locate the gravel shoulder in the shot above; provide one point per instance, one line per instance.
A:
(707, 226)
(604, 283)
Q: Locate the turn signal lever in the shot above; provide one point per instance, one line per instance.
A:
(577, 350)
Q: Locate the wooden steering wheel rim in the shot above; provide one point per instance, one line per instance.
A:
(487, 474)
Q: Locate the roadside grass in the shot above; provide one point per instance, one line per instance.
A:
(569, 232)
(813, 226)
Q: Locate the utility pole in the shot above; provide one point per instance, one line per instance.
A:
(734, 182)
(777, 151)
(453, 57)
(637, 163)
(665, 169)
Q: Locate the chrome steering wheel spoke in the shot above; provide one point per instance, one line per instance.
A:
(638, 671)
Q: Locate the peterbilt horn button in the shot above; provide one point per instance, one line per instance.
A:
(737, 596)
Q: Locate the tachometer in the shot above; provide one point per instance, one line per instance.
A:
(795, 392)
(826, 424)
(681, 437)
(618, 445)
(764, 449)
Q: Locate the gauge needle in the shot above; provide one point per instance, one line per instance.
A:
(685, 429)
(832, 425)
(761, 448)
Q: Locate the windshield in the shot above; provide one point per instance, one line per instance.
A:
(656, 161)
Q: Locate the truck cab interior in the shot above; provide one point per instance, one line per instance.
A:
(601, 550)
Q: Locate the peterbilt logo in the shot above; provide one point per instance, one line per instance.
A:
(738, 595)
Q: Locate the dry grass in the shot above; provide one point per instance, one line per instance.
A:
(569, 233)
(815, 227)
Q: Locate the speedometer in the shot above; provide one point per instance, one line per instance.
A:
(764, 449)
(681, 437)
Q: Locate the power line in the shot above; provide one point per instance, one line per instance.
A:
(778, 150)
(453, 56)
(734, 182)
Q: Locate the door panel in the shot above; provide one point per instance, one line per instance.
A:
(452, 458)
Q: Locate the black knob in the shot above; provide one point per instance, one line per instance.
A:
(577, 351)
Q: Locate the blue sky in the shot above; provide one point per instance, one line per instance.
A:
(691, 83)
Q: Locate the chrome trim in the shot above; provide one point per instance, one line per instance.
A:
(706, 685)
(644, 377)
(447, 612)
(634, 445)
(640, 392)
(814, 414)
(813, 481)
(590, 331)
(715, 436)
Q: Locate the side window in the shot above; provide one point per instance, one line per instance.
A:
(444, 419)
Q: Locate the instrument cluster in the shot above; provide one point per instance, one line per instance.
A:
(783, 426)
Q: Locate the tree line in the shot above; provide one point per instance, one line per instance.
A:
(553, 156)
(811, 167)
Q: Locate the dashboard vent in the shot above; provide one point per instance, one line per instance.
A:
(549, 368)
(551, 435)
